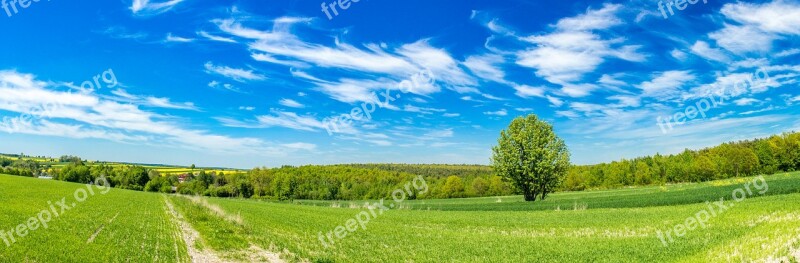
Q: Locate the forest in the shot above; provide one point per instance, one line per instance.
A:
(777, 153)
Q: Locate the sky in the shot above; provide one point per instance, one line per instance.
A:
(269, 83)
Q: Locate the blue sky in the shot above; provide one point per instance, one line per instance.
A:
(251, 83)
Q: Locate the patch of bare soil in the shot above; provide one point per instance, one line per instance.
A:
(191, 237)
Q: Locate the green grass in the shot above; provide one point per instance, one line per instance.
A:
(676, 194)
(141, 230)
(616, 226)
(610, 226)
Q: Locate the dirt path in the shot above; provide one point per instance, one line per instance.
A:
(191, 237)
(97, 232)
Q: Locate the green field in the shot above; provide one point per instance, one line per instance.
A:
(119, 226)
(597, 226)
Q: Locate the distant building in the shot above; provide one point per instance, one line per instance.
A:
(183, 177)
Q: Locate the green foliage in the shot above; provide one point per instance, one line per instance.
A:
(532, 156)
(70, 159)
(374, 181)
(159, 184)
(779, 153)
(453, 187)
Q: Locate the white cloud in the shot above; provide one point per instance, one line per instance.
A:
(743, 39)
(745, 101)
(578, 90)
(288, 120)
(526, 91)
(759, 25)
(603, 18)
(573, 50)
(568, 114)
(241, 75)
(666, 84)
(611, 81)
(486, 67)
(301, 146)
(353, 90)
(227, 86)
(788, 52)
(283, 43)
(677, 54)
(781, 17)
(555, 101)
(446, 133)
(626, 101)
(391, 65)
(167, 104)
(422, 110)
(733, 85)
(705, 51)
(502, 112)
(291, 103)
(451, 115)
(270, 59)
(750, 63)
(173, 38)
(96, 117)
(215, 38)
(145, 7)
(149, 101)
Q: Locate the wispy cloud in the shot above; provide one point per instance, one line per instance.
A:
(291, 103)
(214, 37)
(96, 117)
(502, 112)
(573, 50)
(173, 38)
(147, 8)
(241, 75)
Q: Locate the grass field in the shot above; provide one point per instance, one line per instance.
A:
(598, 226)
(119, 226)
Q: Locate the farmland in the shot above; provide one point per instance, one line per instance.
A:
(116, 226)
(568, 226)
(56, 163)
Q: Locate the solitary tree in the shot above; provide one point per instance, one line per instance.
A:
(531, 156)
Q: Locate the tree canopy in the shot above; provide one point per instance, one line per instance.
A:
(531, 156)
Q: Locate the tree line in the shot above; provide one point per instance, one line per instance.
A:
(778, 153)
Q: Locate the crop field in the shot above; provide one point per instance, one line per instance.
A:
(118, 226)
(686, 193)
(179, 170)
(594, 226)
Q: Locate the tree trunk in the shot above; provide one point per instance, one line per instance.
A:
(530, 197)
(529, 194)
(544, 192)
